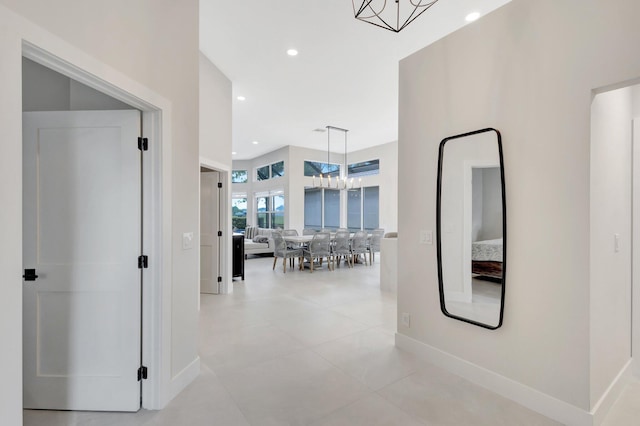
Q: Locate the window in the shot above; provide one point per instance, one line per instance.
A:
(239, 211)
(314, 168)
(270, 171)
(331, 209)
(363, 206)
(239, 176)
(270, 210)
(321, 208)
(371, 207)
(313, 208)
(364, 168)
(262, 173)
(277, 214)
(354, 209)
(277, 169)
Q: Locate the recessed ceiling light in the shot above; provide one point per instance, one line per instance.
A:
(255, 142)
(292, 52)
(241, 98)
(472, 16)
(233, 153)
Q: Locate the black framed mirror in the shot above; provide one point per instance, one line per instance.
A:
(472, 228)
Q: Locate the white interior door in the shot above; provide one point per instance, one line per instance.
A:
(82, 234)
(209, 227)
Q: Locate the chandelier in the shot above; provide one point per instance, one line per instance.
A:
(339, 182)
(391, 18)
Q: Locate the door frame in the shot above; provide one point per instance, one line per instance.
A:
(635, 245)
(160, 387)
(225, 222)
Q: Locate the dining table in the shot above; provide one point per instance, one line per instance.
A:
(303, 239)
(298, 239)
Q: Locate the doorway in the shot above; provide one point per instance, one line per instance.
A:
(155, 172)
(81, 236)
(614, 240)
(210, 231)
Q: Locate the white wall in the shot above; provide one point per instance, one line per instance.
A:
(527, 69)
(215, 145)
(610, 314)
(46, 90)
(215, 113)
(153, 43)
(492, 204)
(387, 180)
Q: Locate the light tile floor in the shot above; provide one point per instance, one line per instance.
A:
(317, 349)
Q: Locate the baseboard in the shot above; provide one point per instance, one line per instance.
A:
(184, 378)
(612, 393)
(524, 395)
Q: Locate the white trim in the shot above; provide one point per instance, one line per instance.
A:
(610, 396)
(181, 380)
(156, 322)
(522, 394)
(635, 245)
(225, 219)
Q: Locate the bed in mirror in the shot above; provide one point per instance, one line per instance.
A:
(472, 228)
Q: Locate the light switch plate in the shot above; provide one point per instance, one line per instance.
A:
(426, 237)
(406, 319)
(187, 241)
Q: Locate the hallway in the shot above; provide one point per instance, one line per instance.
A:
(315, 349)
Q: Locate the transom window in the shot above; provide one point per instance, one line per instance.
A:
(270, 171)
(364, 168)
(316, 168)
(239, 176)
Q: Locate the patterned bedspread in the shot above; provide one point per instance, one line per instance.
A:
(489, 250)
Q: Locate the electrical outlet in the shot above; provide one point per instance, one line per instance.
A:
(406, 319)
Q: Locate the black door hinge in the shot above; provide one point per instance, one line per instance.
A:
(142, 373)
(219, 184)
(219, 279)
(219, 233)
(143, 144)
(143, 262)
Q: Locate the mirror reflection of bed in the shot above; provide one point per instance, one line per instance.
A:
(486, 284)
(472, 226)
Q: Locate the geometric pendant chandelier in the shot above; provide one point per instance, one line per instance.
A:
(392, 15)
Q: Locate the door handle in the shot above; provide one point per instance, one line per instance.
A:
(30, 275)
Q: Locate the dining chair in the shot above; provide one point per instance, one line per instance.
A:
(374, 244)
(341, 247)
(359, 245)
(289, 233)
(308, 231)
(318, 248)
(280, 249)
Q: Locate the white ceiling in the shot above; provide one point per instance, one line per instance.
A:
(346, 73)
